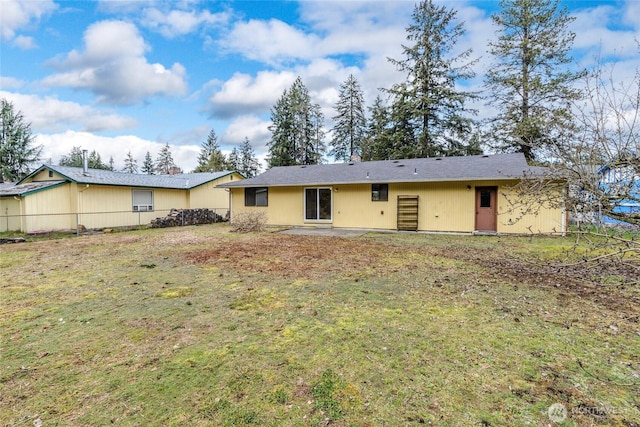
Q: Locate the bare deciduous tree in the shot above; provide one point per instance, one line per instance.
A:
(597, 161)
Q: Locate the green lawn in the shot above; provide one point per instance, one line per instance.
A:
(200, 326)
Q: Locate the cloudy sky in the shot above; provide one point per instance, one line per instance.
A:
(118, 76)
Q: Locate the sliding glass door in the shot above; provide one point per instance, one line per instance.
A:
(317, 204)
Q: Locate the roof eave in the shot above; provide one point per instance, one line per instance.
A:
(374, 181)
(35, 190)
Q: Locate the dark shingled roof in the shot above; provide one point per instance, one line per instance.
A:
(440, 169)
(105, 177)
(29, 187)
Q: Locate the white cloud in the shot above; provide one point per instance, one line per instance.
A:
(113, 66)
(243, 94)
(248, 126)
(632, 15)
(10, 83)
(25, 43)
(599, 33)
(271, 42)
(180, 22)
(50, 114)
(345, 28)
(16, 15)
(59, 144)
(124, 6)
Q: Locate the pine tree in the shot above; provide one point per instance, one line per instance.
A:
(530, 83)
(95, 161)
(378, 142)
(249, 165)
(233, 160)
(315, 146)
(17, 149)
(350, 122)
(211, 158)
(111, 163)
(208, 147)
(217, 162)
(403, 140)
(296, 128)
(75, 158)
(282, 144)
(130, 164)
(164, 162)
(147, 166)
(429, 95)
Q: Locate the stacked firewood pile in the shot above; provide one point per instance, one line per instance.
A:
(180, 217)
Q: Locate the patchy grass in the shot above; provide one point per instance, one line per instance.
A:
(199, 326)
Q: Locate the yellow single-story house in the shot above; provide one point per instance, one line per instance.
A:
(447, 194)
(62, 198)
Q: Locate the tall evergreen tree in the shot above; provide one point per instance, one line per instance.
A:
(315, 147)
(148, 167)
(164, 162)
(211, 158)
(17, 149)
(75, 158)
(350, 122)
(233, 160)
(378, 141)
(130, 164)
(404, 130)
(217, 162)
(429, 95)
(282, 144)
(249, 165)
(530, 83)
(297, 135)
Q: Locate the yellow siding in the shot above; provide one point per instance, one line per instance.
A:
(44, 176)
(104, 206)
(448, 206)
(529, 216)
(285, 205)
(10, 214)
(48, 210)
(209, 197)
(100, 206)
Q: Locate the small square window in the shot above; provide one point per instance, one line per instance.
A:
(379, 192)
(258, 196)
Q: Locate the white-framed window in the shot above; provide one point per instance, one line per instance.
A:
(318, 204)
(142, 200)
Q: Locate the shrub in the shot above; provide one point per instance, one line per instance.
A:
(248, 222)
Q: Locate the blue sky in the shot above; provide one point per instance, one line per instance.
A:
(118, 76)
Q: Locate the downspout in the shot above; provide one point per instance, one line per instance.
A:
(230, 201)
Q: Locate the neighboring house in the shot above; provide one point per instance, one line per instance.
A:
(621, 184)
(61, 198)
(456, 194)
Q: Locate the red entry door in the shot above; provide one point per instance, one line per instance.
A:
(486, 208)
